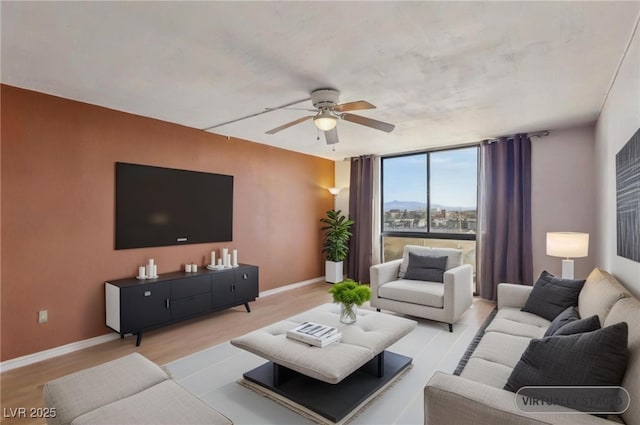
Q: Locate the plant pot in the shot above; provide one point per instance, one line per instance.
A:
(333, 271)
(348, 313)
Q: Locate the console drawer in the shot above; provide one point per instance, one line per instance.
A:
(181, 288)
(190, 306)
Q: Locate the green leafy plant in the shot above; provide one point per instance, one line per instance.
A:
(350, 292)
(336, 235)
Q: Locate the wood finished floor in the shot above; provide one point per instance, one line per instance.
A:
(22, 387)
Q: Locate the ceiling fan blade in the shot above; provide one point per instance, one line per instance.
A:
(331, 136)
(369, 122)
(289, 124)
(354, 106)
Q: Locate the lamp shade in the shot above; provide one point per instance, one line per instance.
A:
(567, 244)
(334, 190)
(325, 121)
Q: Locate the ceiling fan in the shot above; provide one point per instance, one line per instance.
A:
(329, 111)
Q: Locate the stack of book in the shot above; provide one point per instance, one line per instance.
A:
(314, 334)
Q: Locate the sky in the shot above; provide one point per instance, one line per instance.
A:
(453, 178)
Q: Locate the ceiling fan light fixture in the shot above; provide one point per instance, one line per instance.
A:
(325, 121)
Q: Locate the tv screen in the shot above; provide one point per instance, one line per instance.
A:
(158, 206)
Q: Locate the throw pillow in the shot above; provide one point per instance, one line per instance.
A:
(551, 295)
(426, 267)
(568, 315)
(588, 324)
(592, 358)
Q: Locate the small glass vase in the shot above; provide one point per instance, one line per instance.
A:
(348, 313)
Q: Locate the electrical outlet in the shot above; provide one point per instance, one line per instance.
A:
(43, 316)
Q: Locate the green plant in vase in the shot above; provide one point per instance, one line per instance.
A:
(349, 294)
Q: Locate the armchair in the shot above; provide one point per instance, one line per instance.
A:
(442, 302)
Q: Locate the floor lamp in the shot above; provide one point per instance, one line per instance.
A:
(567, 245)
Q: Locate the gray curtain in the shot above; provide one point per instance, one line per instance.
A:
(361, 212)
(505, 248)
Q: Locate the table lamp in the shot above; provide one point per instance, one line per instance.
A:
(567, 245)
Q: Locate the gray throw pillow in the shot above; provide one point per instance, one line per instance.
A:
(570, 314)
(551, 295)
(588, 324)
(592, 358)
(426, 267)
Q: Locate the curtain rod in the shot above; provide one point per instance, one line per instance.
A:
(537, 134)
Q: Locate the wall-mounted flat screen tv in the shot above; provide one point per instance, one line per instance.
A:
(158, 206)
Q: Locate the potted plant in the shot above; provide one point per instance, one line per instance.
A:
(336, 235)
(349, 294)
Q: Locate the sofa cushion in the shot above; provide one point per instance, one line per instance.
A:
(599, 294)
(628, 310)
(513, 321)
(591, 358)
(454, 256)
(486, 372)
(426, 267)
(501, 348)
(164, 404)
(83, 391)
(551, 295)
(414, 291)
(570, 314)
(588, 324)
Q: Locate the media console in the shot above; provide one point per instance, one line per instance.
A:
(134, 306)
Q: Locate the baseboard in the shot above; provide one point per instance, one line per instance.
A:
(54, 352)
(79, 345)
(291, 286)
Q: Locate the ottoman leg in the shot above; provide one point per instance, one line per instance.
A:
(281, 374)
(380, 364)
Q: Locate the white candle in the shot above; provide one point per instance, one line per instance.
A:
(194, 267)
(228, 260)
(154, 268)
(234, 258)
(213, 258)
(187, 268)
(141, 272)
(225, 255)
(219, 261)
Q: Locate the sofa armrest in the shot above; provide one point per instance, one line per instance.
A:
(450, 399)
(513, 295)
(458, 291)
(383, 273)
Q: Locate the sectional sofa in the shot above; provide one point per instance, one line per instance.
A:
(477, 395)
(130, 390)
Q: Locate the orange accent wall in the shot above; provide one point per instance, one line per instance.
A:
(57, 203)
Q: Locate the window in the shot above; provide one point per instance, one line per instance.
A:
(430, 197)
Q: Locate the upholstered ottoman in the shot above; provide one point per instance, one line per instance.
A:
(361, 341)
(334, 380)
(126, 391)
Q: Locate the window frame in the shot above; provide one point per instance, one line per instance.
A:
(428, 234)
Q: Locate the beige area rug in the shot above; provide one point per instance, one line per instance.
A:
(313, 416)
(212, 375)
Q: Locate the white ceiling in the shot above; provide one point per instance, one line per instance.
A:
(443, 72)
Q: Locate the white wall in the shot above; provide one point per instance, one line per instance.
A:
(342, 177)
(563, 195)
(618, 121)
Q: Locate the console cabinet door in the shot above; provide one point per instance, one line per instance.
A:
(222, 290)
(246, 284)
(144, 306)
